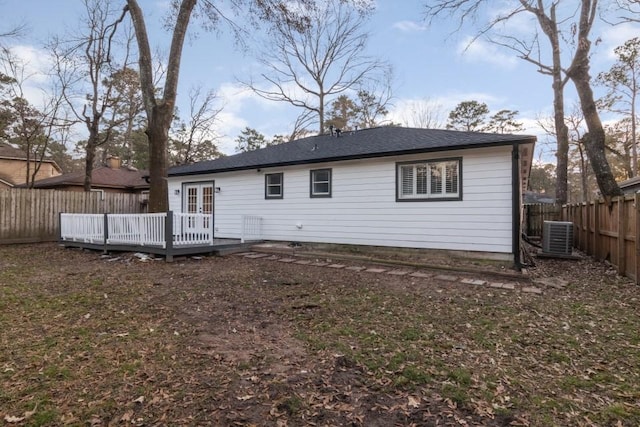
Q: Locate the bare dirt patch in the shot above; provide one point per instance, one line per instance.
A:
(87, 340)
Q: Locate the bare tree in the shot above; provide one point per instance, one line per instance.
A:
(30, 128)
(305, 67)
(194, 140)
(578, 32)
(374, 98)
(83, 65)
(626, 10)
(12, 32)
(301, 125)
(425, 113)
(575, 123)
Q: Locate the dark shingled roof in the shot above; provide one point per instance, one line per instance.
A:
(102, 177)
(366, 143)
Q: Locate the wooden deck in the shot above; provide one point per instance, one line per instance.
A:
(167, 234)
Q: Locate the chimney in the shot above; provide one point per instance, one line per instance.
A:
(113, 162)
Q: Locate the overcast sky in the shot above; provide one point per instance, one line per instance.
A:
(431, 64)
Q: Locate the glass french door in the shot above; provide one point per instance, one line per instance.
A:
(198, 199)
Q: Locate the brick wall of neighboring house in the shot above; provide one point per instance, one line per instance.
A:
(15, 170)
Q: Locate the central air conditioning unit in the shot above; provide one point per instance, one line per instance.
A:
(557, 238)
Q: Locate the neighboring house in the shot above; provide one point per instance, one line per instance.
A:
(386, 186)
(630, 186)
(112, 178)
(13, 167)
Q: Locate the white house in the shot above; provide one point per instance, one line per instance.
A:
(385, 186)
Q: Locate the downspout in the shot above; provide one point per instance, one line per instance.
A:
(515, 207)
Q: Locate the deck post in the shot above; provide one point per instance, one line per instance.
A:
(168, 236)
(106, 233)
(60, 227)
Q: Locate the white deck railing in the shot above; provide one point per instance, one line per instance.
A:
(192, 229)
(88, 228)
(137, 229)
(149, 229)
(251, 229)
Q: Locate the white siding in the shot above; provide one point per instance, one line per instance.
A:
(363, 207)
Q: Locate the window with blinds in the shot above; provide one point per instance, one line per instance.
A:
(427, 180)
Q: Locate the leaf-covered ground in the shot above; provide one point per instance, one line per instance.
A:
(234, 341)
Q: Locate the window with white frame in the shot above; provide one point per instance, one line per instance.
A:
(273, 186)
(321, 183)
(430, 180)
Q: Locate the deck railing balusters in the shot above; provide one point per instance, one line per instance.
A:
(170, 232)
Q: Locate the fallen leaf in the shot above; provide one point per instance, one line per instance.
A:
(414, 402)
(246, 397)
(12, 419)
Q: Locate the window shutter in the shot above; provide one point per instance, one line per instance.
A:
(406, 180)
(436, 180)
(422, 177)
(452, 178)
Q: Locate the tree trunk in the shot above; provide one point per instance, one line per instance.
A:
(89, 159)
(159, 112)
(158, 134)
(578, 72)
(550, 28)
(583, 176)
(594, 140)
(562, 137)
(549, 25)
(321, 111)
(634, 147)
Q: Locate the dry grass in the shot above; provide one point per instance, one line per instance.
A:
(224, 341)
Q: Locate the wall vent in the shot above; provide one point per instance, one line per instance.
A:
(557, 238)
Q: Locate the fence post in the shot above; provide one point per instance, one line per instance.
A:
(105, 233)
(59, 226)
(596, 229)
(242, 228)
(168, 236)
(587, 237)
(636, 258)
(621, 230)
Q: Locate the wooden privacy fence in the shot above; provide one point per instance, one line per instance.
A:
(609, 232)
(536, 214)
(32, 215)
